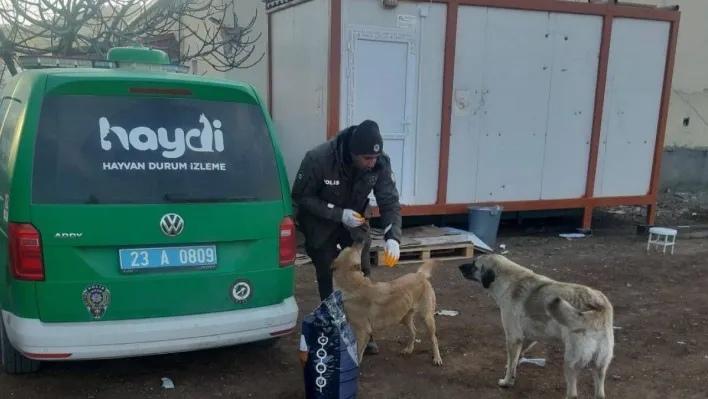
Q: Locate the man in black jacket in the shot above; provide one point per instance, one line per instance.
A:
(331, 200)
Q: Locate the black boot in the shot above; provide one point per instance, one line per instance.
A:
(371, 347)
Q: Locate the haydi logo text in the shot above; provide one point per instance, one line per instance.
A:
(209, 139)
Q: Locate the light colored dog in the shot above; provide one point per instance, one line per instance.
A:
(537, 308)
(373, 306)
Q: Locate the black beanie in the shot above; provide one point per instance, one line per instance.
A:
(366, 139)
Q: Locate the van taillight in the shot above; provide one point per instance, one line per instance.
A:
(25, 252)
(288, 242)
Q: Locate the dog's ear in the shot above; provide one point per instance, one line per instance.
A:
(475, 258)
(488, 276)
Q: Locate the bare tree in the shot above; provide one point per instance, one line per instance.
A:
(206, 30)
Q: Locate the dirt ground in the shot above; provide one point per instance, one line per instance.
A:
(661, 308)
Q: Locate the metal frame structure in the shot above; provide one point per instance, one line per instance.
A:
(608, 10)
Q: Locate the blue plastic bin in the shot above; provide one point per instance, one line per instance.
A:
(483, 221)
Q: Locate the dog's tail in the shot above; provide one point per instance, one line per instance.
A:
(427, 267)
(567, 315)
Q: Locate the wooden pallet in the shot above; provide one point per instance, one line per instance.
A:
(415, 254)
(419, 254)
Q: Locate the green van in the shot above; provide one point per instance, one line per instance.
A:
(145, 211)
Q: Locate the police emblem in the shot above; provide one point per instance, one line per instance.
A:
(96, 298)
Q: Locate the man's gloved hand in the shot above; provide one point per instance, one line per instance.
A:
(392, 252)
(352, 219)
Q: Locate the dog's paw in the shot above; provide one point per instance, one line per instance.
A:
(504, 383)
(406, 351)
(437, 361)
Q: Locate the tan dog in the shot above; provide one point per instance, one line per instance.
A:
(535, 308)
(372, 306)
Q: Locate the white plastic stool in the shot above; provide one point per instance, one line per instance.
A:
(662, 238)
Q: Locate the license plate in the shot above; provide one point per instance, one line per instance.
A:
(200, 257)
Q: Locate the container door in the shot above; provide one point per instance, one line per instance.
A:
(382, 85)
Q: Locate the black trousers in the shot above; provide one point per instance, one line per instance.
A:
(323, 256)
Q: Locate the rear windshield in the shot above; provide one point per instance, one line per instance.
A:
(146, 150)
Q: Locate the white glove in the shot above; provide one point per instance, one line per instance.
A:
(352, 219)
(392, 252)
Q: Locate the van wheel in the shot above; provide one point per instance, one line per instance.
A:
(13, 362)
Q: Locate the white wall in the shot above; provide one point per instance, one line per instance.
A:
(635, 77)
(257, 75)
(689, 96)
(300, 45)
(689, 99)
(4, 75)
(523, 99)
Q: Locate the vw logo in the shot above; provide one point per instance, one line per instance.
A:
(172, 224)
